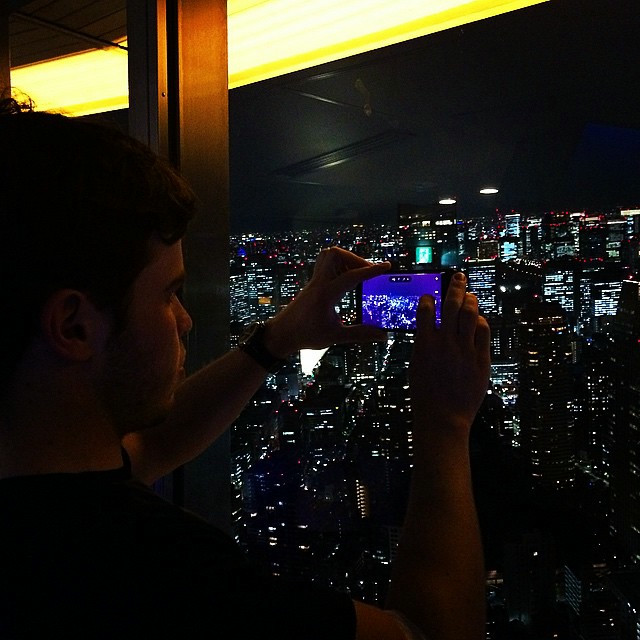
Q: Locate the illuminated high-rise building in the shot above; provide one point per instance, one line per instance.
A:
(512, 225)
(600, 285)
(482, 281)
(557, 238)
(545, 401)
(605, 298)
(260, 286)
(593, 400)
(240, 308)
(624, 422)
(290, 277)
(529, 576)
(592, 236)
(625, 586)
(488, 249)
(630, 253)
(559, 285)
(364, 361)
(430, 235)
(587, 591)
(277, 529)
(475, 229)
(519, 281)
(511, 244)
(575, 222)
(532, 237)
(616, 228)
(324, 423)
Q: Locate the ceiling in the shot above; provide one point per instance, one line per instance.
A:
(43, 29)
(543, 103)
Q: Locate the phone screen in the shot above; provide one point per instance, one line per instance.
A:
(390, 301)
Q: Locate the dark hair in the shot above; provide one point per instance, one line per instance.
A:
(79, 202)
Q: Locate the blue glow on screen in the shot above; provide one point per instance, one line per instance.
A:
(390, 301)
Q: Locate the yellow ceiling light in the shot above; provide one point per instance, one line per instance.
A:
(78, 84)
(268, 38)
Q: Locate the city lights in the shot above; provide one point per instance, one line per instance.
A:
(541, 304)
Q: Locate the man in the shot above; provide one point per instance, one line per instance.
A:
(94, 407)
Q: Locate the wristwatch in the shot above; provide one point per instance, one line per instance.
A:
(252, 343)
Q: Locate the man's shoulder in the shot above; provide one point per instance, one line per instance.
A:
(100, 508)
(69, 545)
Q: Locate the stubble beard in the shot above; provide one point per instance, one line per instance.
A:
(134, 394)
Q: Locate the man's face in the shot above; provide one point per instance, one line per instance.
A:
(144, 364)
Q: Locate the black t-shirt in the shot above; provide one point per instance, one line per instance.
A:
(97, 555)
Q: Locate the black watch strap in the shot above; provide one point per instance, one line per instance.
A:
(252, 343)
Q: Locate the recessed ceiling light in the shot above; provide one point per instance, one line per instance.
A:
(447, 201)
(488, 190)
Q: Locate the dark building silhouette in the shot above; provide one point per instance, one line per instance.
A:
(545, 401)
(624, 423)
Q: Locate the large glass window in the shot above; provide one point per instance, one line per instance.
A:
(510, 149)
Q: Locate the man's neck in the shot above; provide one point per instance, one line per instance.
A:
(45, 452)
(63, 439)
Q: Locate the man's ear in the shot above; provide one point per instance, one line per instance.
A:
(72, 325)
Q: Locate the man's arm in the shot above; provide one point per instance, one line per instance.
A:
(209, 401)
(438, 580)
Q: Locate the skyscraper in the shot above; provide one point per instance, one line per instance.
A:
(559, 285)
(482, 277)
(624, 422)
(430, 235)
(546, 396)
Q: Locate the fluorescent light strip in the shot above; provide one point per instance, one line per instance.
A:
(267, 38)
(275, 37)
(79, 84)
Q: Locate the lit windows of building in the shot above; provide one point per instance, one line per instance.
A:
(482, 279)
(430, 235)
(558, 286)
(546, 395)
(624, 422)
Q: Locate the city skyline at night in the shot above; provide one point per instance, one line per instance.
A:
(549, 463)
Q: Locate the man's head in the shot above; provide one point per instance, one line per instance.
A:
(80, 202)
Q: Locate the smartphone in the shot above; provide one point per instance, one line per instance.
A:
(390, 301)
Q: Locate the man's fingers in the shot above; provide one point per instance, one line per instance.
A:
(483, 341)
(334, 261)
(352, 278)
(468, 317)
(453, 301)
(426, 315)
